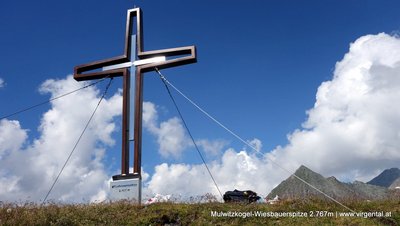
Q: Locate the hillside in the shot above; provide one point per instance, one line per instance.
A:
(395, 184)
(125, 213)
(293, 188)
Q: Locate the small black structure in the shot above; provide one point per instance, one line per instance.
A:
(241, 196)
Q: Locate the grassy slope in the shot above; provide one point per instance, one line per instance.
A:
(124, 213)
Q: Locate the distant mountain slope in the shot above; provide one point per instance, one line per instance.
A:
(293, 188)
(395, 184)
(386, 178)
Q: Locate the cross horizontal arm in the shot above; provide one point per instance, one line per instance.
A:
(169, 52)
(135, 63)
(187, 50)
(190, 51)
(80, 75)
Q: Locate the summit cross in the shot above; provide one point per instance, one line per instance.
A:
(133, 63)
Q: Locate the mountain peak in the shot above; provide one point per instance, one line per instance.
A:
(293, 188)
(386, 178)
(304, 171)
(303, 168)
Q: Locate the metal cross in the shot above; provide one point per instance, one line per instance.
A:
(134, 62)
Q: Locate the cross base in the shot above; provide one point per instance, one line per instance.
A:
(126, 176)
(126, 187)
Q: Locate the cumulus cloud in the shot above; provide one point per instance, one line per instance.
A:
(29, 166)
(255, 144)
(12, 137)
(235, 169)
(352, 131)
(2, 83)
(211, 147)
(170, 134)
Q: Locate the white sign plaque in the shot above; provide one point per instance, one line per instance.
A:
(129, 189)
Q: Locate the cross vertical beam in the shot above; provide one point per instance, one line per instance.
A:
(142, 61)
(125, 124)
(137, 158)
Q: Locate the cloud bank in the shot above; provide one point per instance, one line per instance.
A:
(28, 168)
(352, 131)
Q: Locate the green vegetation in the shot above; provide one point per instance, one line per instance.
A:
(126, 213)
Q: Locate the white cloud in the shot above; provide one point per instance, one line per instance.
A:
(28, 171)
(2, 83)
(171, 136)
(236, 169)
(256, 144)
(12, 137)
(211, 147)
(352, 131)
(30, 165)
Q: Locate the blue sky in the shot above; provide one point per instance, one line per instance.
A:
(260, 63)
